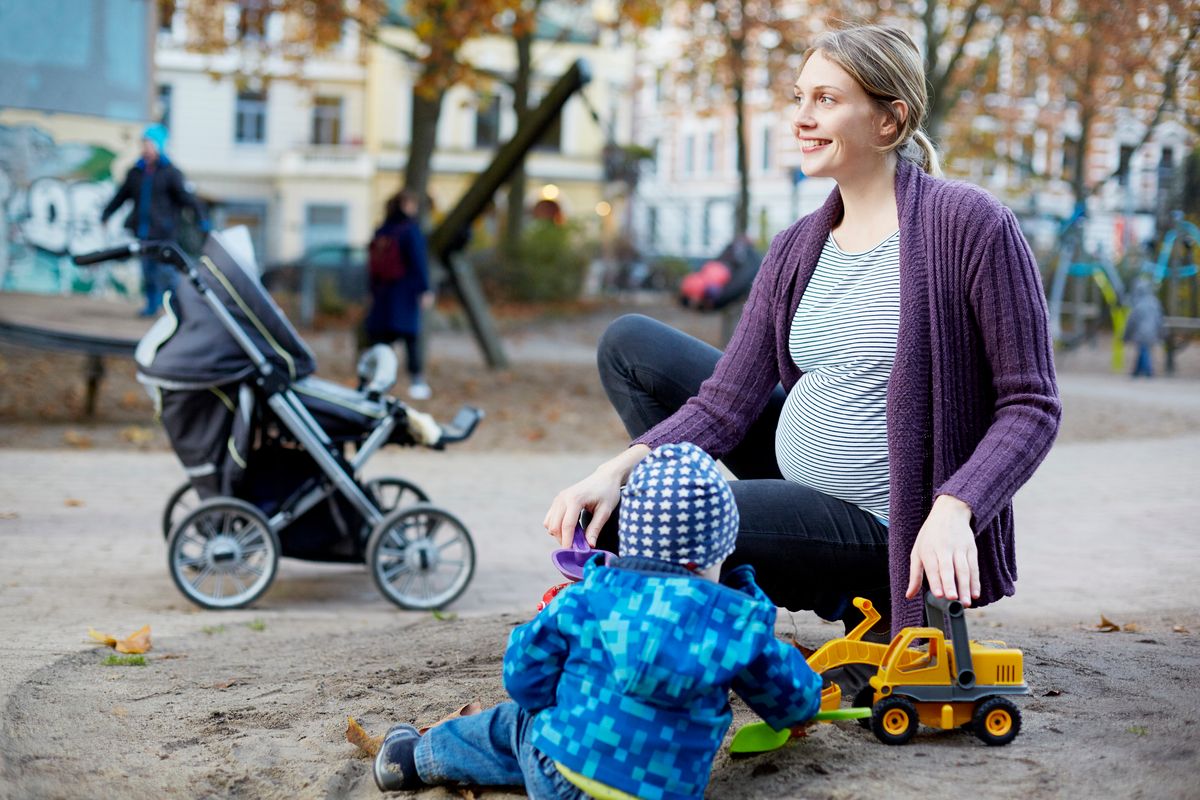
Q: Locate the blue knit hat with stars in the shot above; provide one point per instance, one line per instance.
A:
(677, 507)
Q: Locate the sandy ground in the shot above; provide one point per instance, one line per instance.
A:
(253, 703)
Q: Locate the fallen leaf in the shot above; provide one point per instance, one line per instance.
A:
(72, 502)
(1107, 625)
(228, 683)
(1180, 629)
(444, 616)
(120, 711)
(9, 515)
(131, 399)
(1131, 627)
(470, 709)
(136, 642)
(77, 439)
(136, 434)
(1052, 693)
(170, 656)
(469, 794)
(364, 741)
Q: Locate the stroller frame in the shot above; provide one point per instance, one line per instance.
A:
(282, 399)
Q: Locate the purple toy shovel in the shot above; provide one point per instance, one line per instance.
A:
(570, 561)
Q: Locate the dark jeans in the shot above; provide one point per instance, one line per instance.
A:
(412, 348)
(1145, 362)
(491, 749)
(809, 550)
(157, 278)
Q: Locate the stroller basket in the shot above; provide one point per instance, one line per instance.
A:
(274, 455)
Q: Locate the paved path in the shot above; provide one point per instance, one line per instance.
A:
(1104, 527)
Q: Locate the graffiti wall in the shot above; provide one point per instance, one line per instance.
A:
(51, 196)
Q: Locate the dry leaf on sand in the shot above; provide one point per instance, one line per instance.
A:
(1131, 627)
(137, 642)
(1107, 625)
(470, 709)
(72, 502)
(1180, 629)
(76, 439)
(364, 741)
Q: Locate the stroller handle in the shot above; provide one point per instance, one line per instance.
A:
(110, 254)
(461, 427)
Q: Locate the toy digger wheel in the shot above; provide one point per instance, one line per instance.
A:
(390, 493)
(181, 501)
(863, 700)
(421, 557)
(996, 721)
(223, 553)
(894, 720)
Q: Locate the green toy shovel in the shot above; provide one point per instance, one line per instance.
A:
(759, 737)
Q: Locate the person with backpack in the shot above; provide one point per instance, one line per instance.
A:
(398, 274)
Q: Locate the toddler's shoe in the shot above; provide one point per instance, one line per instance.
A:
(395, 765)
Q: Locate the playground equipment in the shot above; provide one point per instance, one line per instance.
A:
(941, 685)
(1082, 287)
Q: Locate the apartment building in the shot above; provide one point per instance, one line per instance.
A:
(307, 158)
(685, 202)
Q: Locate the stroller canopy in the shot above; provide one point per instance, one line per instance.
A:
(190, 348)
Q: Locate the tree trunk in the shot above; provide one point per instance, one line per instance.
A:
(417, 171)
(514, 219)
(742, 218)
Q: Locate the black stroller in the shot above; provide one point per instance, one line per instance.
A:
(274, 455)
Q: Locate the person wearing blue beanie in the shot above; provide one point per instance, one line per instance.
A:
(158, 191)
(620, 687)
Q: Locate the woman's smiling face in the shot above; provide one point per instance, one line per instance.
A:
(836, 123)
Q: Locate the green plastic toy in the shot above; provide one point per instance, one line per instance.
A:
(759, 737)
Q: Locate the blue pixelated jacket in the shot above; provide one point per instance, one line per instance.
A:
(629, 674)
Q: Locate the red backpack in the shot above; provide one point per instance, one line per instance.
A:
(384, 262)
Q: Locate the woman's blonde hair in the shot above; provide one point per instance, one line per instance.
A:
(886, 63)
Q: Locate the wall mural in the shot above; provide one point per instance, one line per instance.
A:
(51, 196)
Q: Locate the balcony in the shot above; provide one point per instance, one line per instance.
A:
(326, 161)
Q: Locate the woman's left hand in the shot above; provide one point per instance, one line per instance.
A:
(945, 553)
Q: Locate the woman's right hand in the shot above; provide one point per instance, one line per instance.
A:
(598, 493)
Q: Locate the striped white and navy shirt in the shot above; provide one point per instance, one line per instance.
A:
(832, 433)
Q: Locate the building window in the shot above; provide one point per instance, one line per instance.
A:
(1070, 161)
(652, 225)
(252, 19)
(324, 224)
(689, 154)
(487, 124)
(710, 153)
(1123, 164)
(166, 14)
(250, 118)
(327, 120)
(164, 105)
(766, 149)
(651, 164)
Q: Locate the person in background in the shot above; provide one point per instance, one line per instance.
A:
(1144, 329)
(398, 273)
(159, 192)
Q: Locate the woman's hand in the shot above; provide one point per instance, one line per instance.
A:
(599, 493)
(945, 553)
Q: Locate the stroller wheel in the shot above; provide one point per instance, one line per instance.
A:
(223, 553)
(389, 493)
(421, 557)
(181, 501)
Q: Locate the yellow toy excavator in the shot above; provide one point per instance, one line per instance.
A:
(940, 684)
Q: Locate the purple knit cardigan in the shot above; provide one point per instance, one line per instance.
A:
(972, 405)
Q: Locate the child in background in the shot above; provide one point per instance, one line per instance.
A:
(620, 686)
(1145, 325)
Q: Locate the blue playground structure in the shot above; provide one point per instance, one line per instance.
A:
(1084, 289)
